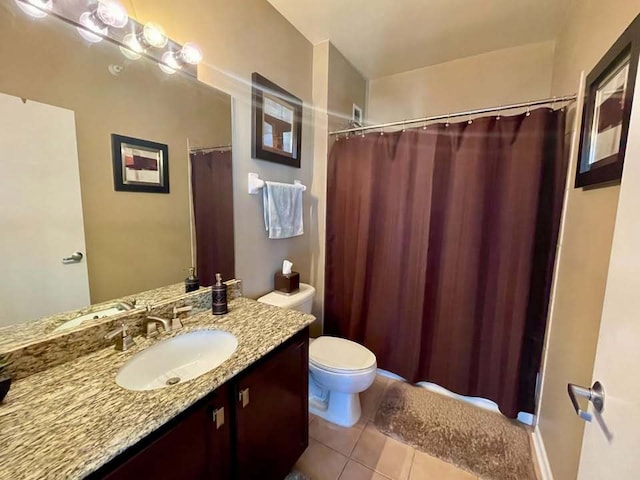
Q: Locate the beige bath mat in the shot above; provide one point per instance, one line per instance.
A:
(482, 442)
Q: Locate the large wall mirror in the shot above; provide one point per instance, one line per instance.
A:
(69, 238)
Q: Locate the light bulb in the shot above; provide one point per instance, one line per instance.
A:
(154, 35)
(91, 30)
(170, 63)
(133, 48)
(111, 13)
(35, 8)
(191, 53)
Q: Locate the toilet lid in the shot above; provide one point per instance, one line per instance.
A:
(339, 354)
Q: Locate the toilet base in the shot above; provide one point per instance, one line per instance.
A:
(342, 408)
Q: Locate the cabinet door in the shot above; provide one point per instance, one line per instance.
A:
(219, 421)
(272, 416)
(190, 447)
(180, 453)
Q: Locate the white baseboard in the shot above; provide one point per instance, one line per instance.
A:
(541, 455)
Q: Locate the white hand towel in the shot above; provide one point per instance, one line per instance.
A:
(282, 209)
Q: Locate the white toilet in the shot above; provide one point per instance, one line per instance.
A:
(339, 369)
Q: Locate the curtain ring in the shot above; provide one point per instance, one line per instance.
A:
(337, 137)
(404, 126)
(447, 122)
(529, 111)
(553, 103)
(381, 131)
(499, 116)
(362, 134)
(470, 120)
(424, 127)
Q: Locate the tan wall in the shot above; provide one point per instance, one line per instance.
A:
(584, 252)
(337, 85)
(134, 241)
(495, 78)
(240, 37)
(346, 87)
(319, 186)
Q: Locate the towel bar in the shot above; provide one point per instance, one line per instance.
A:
(255, 184)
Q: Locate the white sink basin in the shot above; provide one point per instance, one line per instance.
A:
(177, 360)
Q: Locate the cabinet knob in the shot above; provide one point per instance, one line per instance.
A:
(218, 417)
(244, 397)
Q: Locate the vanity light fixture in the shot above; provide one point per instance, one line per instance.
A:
(133, 48)
(107, 13)
(35, 8)
(134, 45)
(153, 36)
(190, 54)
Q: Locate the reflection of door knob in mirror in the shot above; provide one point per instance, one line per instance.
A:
(76, 257)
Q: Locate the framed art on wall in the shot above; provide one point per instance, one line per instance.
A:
(139, 165)
(276, 123)
(607, 111)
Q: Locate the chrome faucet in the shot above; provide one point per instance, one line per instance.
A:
(152, 323)
(124, 341)
(127, 305)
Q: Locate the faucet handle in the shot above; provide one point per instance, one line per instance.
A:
(124, 341)
(178, 310)
(121, 329)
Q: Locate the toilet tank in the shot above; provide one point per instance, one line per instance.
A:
(302, 300)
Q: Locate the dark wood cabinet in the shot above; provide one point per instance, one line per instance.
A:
(255, 426)
(219, 435)
(272, 414)
(180, 450)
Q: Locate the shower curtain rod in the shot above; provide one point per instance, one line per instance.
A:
(566, 98)
(210, 149)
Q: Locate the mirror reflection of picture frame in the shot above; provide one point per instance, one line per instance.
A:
(607, 111)
(139, 165)
(276, 123)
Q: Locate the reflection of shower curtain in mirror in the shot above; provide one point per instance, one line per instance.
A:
(440, 248)
(212, 186)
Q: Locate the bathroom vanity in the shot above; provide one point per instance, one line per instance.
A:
(245, 419)
(254, 426)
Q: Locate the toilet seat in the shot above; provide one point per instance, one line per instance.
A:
(339, 355)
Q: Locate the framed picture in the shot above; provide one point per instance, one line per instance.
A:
(139, 165)
(607, 110)
(276, 123)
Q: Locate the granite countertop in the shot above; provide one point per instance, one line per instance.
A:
(35, 331)
(66, 422)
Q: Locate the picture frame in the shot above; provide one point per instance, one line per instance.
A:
(607, 111)
(276, 133)
(139, 165)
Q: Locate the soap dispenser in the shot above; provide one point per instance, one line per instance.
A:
(219, 297)
(191, 283)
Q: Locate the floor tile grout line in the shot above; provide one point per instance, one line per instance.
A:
(339, 477)
(373, 469)
(357, 440)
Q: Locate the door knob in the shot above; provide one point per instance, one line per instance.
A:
(595, 395)
(76, 257)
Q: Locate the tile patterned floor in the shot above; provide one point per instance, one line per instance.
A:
(363, 453)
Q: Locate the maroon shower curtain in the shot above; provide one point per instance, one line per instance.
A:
(440, 250)
(212, 187)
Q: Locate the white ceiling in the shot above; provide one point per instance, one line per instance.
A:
(383, 37)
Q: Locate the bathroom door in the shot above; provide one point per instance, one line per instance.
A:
(41, 212)
(611, 443)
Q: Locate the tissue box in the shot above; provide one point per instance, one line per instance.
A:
(289, 283)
